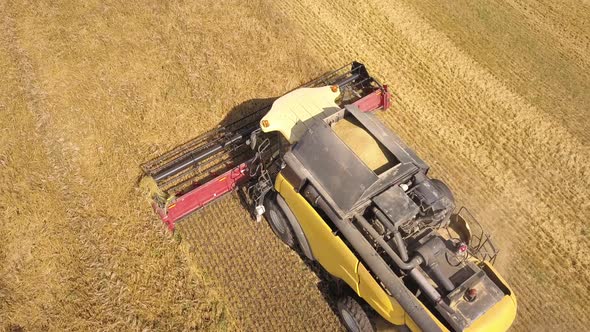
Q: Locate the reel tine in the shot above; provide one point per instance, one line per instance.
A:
(155, 165)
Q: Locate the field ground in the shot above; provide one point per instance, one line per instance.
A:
(494, 95)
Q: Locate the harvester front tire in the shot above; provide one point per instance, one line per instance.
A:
(278, 221)
(353, 316)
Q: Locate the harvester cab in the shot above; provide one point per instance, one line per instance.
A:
(337, 184)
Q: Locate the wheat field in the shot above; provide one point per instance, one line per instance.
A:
(494, 95)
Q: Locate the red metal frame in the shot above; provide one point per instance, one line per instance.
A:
(380, 98)
(203, 194)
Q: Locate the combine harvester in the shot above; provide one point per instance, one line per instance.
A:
(340, 187)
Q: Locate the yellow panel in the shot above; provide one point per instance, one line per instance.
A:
(336, 257)
(328, 249)
(501, 316)
(331, 252)
(295, 107)
(497, 319)
(378, 299)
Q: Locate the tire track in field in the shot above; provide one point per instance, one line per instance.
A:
(267, 285)
(61, 229)
(21, 189)
(80, 260)
(501, 178)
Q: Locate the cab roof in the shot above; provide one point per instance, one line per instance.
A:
(289, 112)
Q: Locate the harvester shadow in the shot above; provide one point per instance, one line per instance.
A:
(245, 110)
(330, 288)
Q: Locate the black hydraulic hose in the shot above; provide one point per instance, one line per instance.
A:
(425, 286)
(383, 218)
(415, 261)
(414, 272)
(376, 263)
(399, 242)
(439, 277)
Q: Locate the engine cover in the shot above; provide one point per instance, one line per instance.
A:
(396, 205)
(435, 200)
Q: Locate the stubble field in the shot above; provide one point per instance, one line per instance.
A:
(493, 95)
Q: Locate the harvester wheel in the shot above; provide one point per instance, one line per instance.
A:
(353, 316)
(278, 221)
